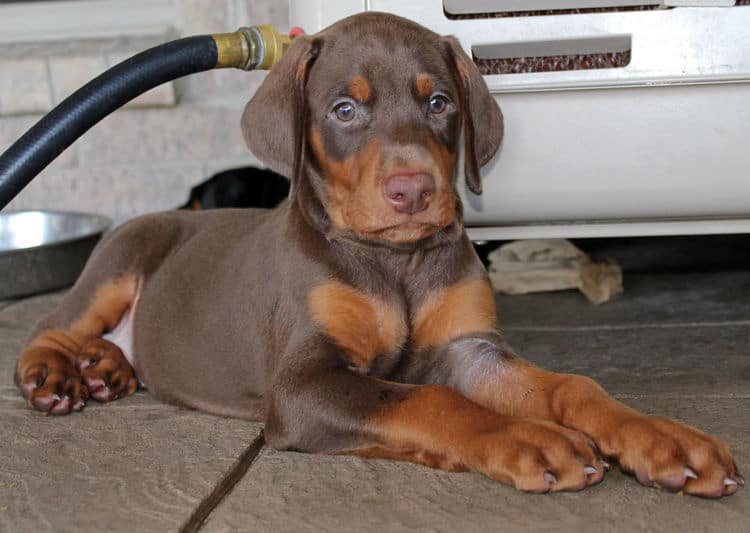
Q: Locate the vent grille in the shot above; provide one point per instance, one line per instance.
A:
(612, 51)
(558, 63)
(483, 9)
(543, 12)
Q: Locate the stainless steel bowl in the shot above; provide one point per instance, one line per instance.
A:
(45, 250)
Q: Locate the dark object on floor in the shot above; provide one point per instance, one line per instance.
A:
(667, 254)
(686, 253)
(239, 187)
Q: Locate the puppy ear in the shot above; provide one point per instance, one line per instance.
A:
(275, 119)
(482, 118)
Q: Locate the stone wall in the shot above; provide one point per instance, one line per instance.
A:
(146, 156)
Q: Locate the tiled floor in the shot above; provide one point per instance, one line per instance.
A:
(673, 344)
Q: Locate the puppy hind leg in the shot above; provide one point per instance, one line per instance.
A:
(66, 358)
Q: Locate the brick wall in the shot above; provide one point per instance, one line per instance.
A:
(146, 156)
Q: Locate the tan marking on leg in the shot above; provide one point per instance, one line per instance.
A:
(57, 340)
(425, 84)
(658, 451)
(103, 313)
(437, 426)
(522, 389)
(362, 325)
(422, 457)
(433, 423)
(360, 89)
(578, 402)
(48, 363)
(107, 307)
(466, 307)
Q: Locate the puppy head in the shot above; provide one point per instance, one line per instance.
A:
(369, 114)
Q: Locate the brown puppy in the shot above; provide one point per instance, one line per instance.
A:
(356, 317)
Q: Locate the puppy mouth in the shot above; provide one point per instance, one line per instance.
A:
(411, 229)
(405, 227)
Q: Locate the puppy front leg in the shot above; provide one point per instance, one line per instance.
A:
(658, 451)
(320, 406)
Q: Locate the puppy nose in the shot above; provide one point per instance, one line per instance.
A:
(410, 193)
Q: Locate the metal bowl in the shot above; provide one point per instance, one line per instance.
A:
(45, 250)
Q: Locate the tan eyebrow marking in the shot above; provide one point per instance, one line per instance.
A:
(425, 84)
(360, 89)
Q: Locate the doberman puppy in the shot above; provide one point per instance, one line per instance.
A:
(354, 318)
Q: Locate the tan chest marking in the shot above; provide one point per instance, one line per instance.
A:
(463, 308)
(104, 311)
(362, 325)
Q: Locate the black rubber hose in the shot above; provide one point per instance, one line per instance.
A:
(75, 115)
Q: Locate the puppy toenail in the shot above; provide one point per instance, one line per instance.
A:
(589, 470)
(690, 473)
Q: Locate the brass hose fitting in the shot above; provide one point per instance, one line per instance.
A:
(250, 48)
(247, 48)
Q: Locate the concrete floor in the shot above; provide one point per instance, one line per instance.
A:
(673, 344)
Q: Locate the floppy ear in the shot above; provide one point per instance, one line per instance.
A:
(482, 118)
(274, 120)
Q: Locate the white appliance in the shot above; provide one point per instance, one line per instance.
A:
(657, 145)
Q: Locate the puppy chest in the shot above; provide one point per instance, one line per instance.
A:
(365, 326)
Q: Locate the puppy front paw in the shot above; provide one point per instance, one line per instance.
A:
(539, 456)
(51, 384)
(674, 456)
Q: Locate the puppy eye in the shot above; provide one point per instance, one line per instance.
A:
(344, 111)
(437, 104)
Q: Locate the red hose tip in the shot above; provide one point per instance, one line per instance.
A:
(296, 31)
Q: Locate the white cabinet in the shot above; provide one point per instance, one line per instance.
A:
(658, 144)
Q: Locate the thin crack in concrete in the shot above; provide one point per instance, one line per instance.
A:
(223, 487)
